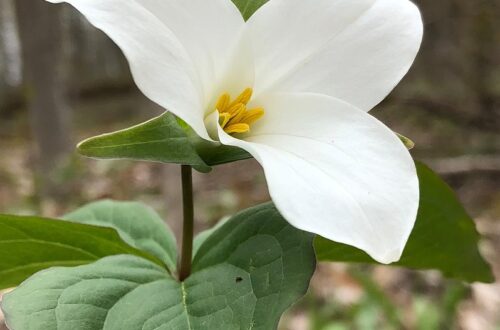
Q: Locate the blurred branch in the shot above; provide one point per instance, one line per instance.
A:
(450, 113)
(465, 164)
(106, 89)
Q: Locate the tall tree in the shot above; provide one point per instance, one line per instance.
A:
(41, 35)
(9, 55)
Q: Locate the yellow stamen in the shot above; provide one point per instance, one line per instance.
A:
(236, 109)
(224, 119)
(237, 128)
(251, 116)
(244, 97)
(234, 117)
(237, 115)
(223, 102)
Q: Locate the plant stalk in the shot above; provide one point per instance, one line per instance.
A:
(188, 224)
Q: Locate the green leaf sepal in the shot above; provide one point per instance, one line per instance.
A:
(165, 139)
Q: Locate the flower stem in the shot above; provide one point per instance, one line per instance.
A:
(188, 225)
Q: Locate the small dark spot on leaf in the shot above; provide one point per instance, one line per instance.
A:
(239, 279)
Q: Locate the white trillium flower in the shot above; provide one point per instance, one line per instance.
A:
(292, 86)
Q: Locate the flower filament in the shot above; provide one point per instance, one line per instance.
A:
(234, 117)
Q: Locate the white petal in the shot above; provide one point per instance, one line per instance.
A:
(239, 73)
(336, 171)
(354, 50)
(209, 31)
(174, 47)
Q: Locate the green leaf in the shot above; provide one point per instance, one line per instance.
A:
(165, 139)
(30, 244)
(160, 139)
(245, 275)
(204, 235)
(444, 237)
(217, 154)
(248, 7)
(138, 225)
(213, 153)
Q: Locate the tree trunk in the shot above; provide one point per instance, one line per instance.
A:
(10, 76)
(41, 35)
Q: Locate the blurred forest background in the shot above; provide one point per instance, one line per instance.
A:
(61, 80)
